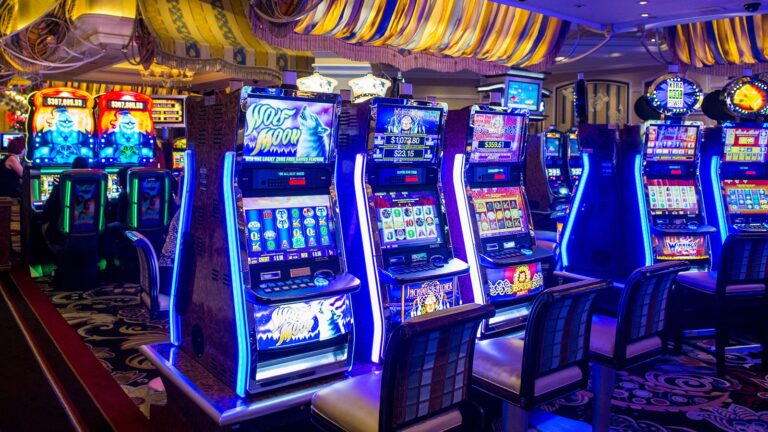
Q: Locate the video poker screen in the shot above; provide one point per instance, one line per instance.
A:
(552, 144)
(289, 228)
(671, 142)
(408, 218)
(672, 197)
(406, 134)
(496, 137)
(499, 211)
(746, 196)
(744, 144)
(288, 130)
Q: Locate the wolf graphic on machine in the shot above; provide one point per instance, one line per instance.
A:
(314, 136)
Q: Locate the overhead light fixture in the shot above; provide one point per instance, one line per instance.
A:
(317, 83)
(614, 54)
(559, 58)
(368, 87)
(644, 15)
(643, 2)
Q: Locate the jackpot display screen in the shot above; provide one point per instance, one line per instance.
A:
(288, 130)
(496, 137)
(672, 197)
(746, 196)
(406, 134)
(289, 228)
(499, 211)
(671, 142)
(552, 145)
(125, 128)
(60, 126)
(744, 144)
(408, 218)
(514, 281)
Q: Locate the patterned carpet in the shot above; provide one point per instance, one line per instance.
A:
(114, 324)
(670, 394)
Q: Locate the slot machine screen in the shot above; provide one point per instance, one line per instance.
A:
(499, 211)
(113, 186)
(746, 197)
(573, 144)
(289, 228)
(125, 128)
(406, 134)
(515, 281)
(744, 144)
(288, 130)
(8, 137)
(672, 197)
(60, 127)
(47, 182)
(178, 160)
(496, 137)
(150, 200)
(552, 145)
(523, 94)
(84, 211)
(671, 142)
(408, 218)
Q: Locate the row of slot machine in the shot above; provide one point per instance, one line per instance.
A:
(302, 244)
(683, 188)
(112, 130)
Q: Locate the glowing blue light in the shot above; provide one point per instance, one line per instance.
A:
(182, 228)
(238, 293)
(721, 217)
(643, 212)
(478, 294)
(575, 208)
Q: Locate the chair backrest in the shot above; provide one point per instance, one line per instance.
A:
(744, 261)
(428, 365)
(83, 196)
(149, 274)
(149, 197)
(557, 333)
(643, 304)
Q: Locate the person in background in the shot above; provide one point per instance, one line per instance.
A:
(159, 155)
(11, 171)
(52, 209)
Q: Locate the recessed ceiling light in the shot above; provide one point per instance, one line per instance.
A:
(644, 15)
(643, 2)
(559, 58)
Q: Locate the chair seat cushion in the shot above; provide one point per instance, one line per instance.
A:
(499, 361)
(602, 339)
(707, 282)
(353, 405)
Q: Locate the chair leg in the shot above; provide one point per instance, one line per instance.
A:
(513, 418)
(603, 382)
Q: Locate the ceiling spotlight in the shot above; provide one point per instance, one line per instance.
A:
(644, 15)
(642, 2)
(559, 58)
(614, 54)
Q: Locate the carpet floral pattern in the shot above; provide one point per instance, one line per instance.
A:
(669, 394)
(114, 324)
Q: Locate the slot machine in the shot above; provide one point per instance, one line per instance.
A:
(673, 221)
(547, 181)
(734, 167)
(395, 193)
(126, 134)
(489, 215)
(270, 298)
(575, 166)
(60, 127)
(554, 164)
(177, 156)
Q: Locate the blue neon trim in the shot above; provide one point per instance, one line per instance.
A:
(183, 227)
(575, 207)
(238, 292)
(717, 191)
(641, 204)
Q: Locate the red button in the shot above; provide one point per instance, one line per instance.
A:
(411, 179)
(297, 182)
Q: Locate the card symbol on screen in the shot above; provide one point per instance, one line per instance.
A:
(389, 235)
(428, 210)
(267, 214)
(271, 245)
(312, 242)
(386, 213)
(409, 222)
(420, 233)
(400, 234)
(310, 231)
(323, 231)
(397, 212)
(410, 233)
(417, 211)
(285, 244)
(254, 236)
(295, 213)
(432, 232)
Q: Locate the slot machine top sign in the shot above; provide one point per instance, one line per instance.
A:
(496, 136)
(60, 126)
(125, 127)
(675, 96)
(746, 97)
(407, 133)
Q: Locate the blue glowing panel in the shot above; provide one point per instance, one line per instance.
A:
(293, 324)
(406, 134)
(675, 95)
(513, 282)
(412, 300)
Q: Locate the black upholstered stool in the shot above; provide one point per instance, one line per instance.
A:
(424, 382)
(635, 334)
(742, 277)
(552, 360)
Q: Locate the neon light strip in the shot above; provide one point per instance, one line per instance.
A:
(466, 228)
(238, 293)
(182, 228)
(575, 208)
(135, 204)
(641, 204)
(103, 204)
(718, 196)
(377, 346)
(67, 192)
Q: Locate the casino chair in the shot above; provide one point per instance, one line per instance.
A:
(151, 202)
(424, 382)
(636, 333)
(149, 276)
(83, 197)
(551, 361)
(741, 280)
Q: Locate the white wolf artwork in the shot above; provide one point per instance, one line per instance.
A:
(314, 136)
